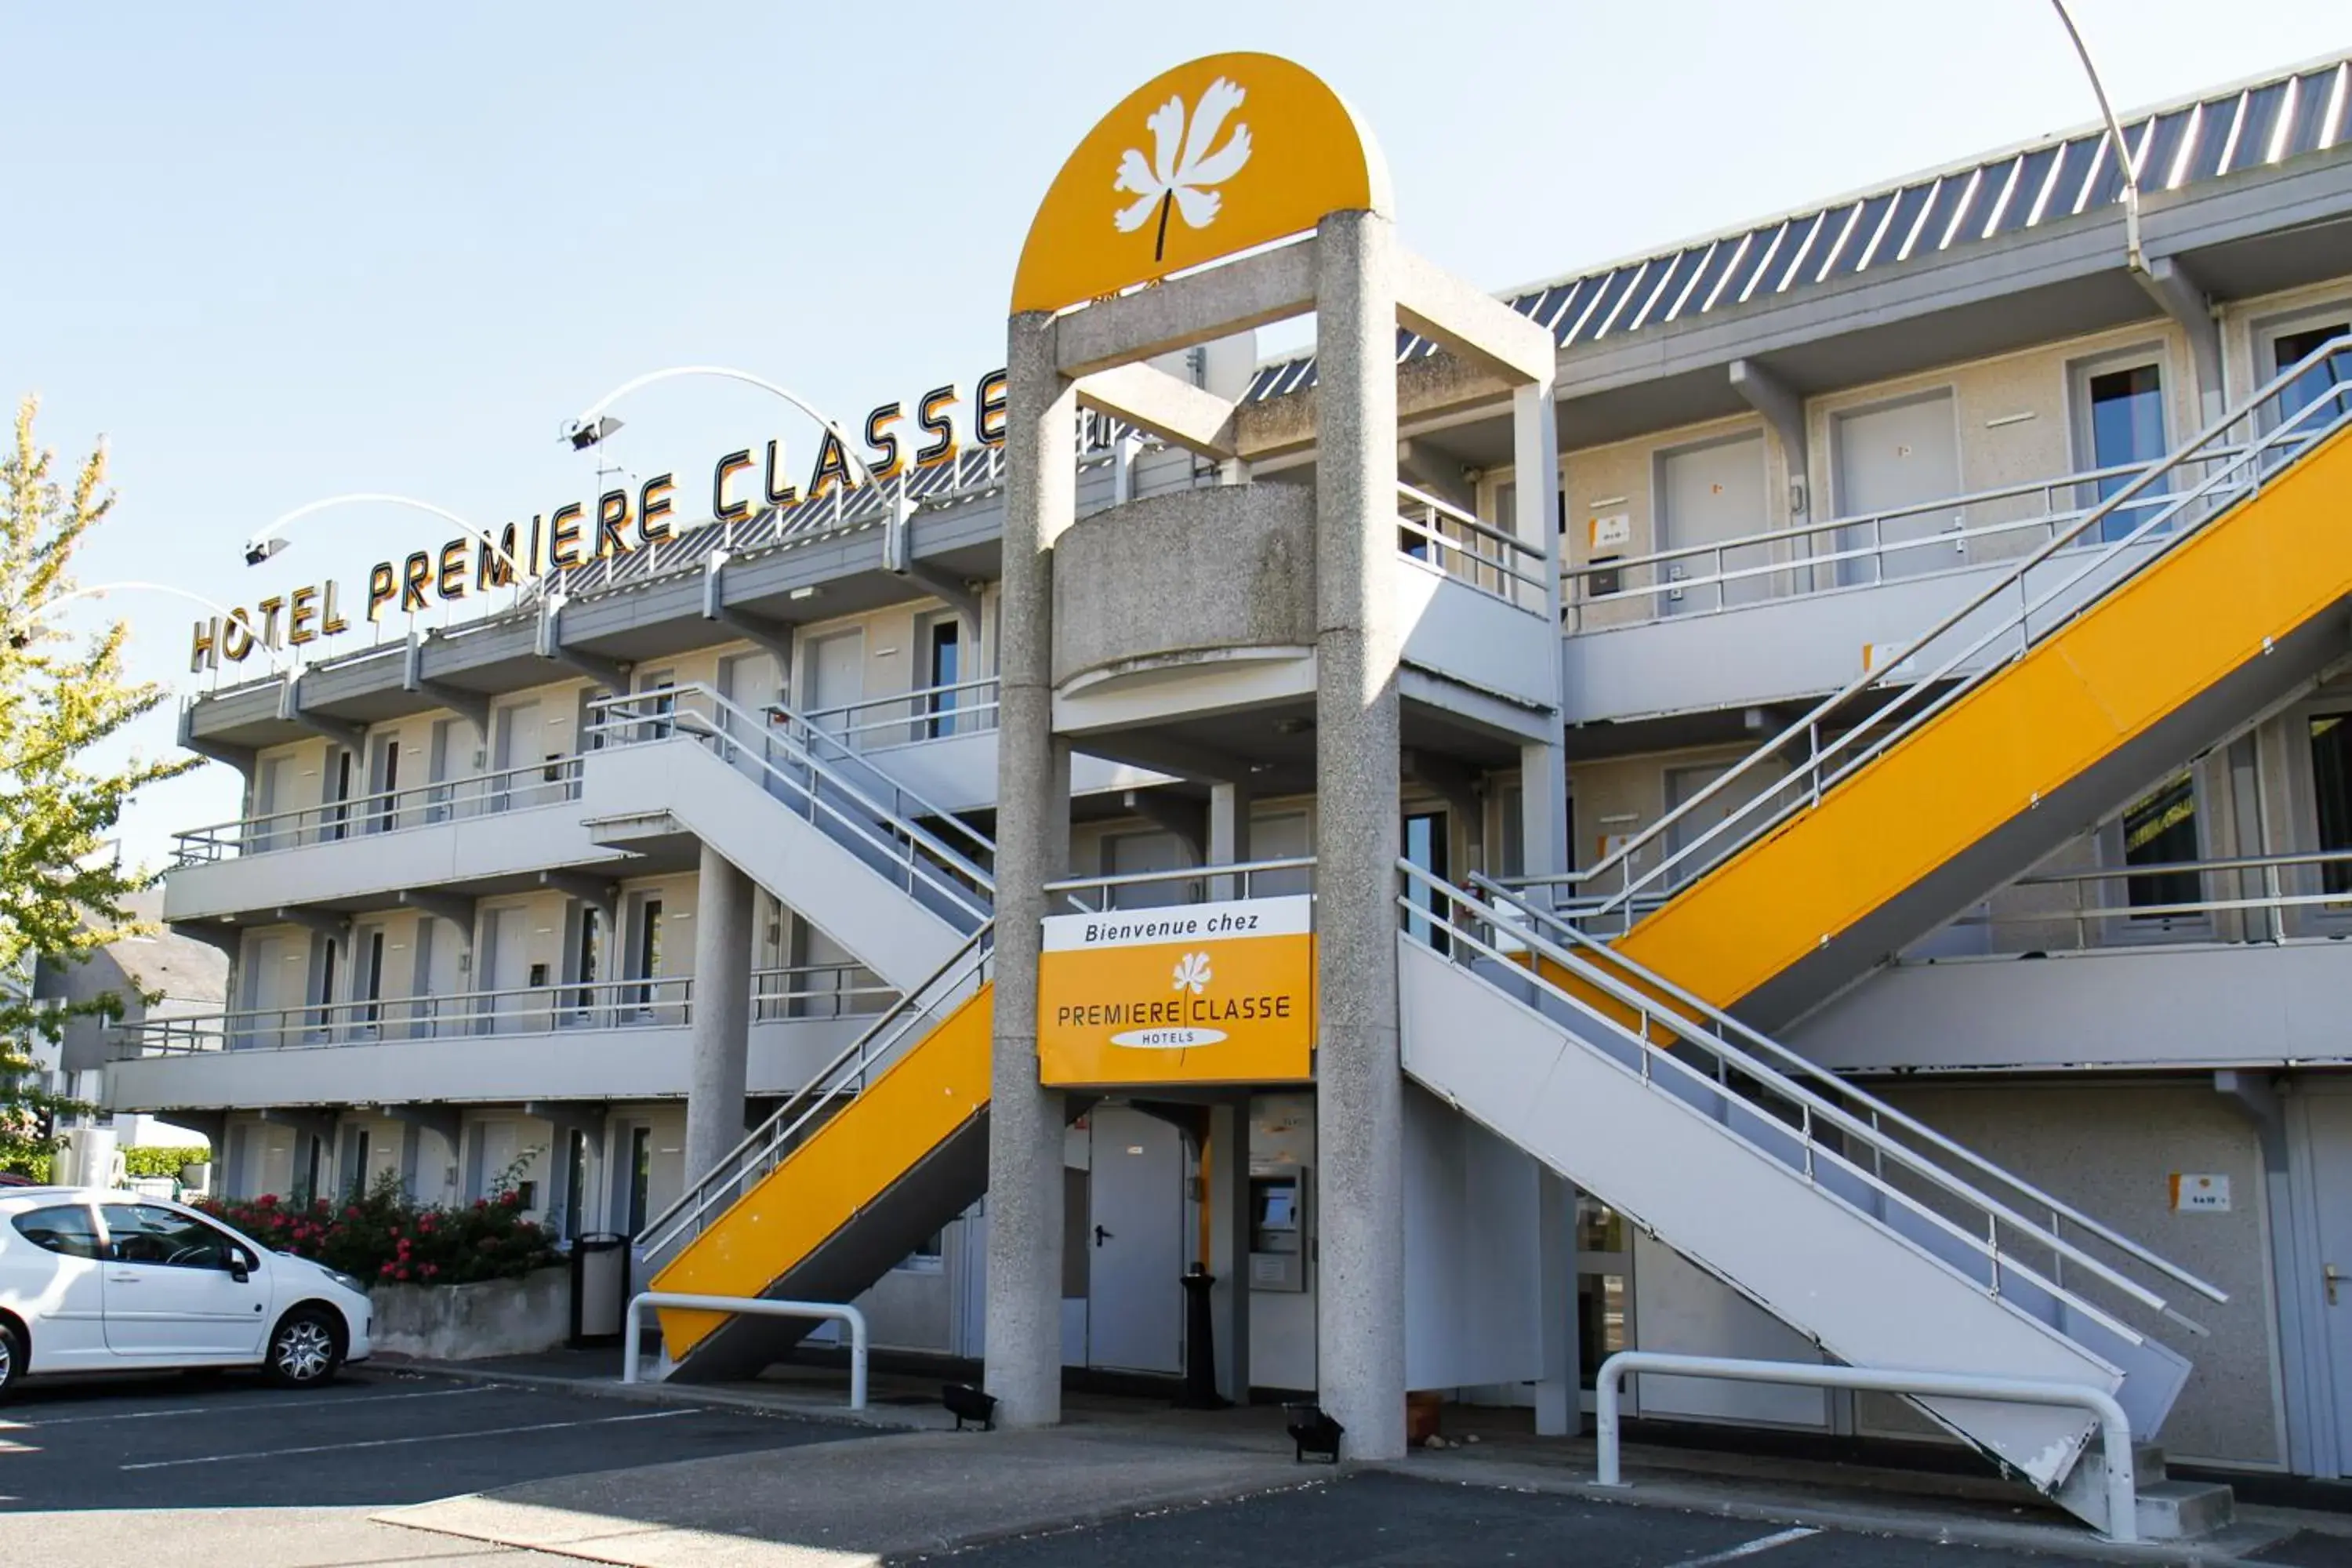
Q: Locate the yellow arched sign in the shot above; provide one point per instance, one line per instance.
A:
(1211, 158)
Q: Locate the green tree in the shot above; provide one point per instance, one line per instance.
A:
(62, 697)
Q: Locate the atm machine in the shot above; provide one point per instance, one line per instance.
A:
(1278, 1230)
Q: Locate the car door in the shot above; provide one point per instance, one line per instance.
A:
(50, 1272)
(173, 1291)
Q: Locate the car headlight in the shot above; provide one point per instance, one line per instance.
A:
(345, 1280)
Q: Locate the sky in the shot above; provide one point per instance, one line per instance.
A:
(277, 252)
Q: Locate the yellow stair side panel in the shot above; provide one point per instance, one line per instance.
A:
(937, 1086)
(2189, 619)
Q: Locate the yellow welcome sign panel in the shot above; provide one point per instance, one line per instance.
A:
(1219, 993)
(1212, 158)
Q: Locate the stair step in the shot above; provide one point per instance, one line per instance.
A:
(2184, 1510)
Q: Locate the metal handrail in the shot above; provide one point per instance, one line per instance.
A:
(1775, 1075)
(544, 1009)
(397, 810)
(1629, 566)
(633, 1329)
(1647, 985)
(1498, 563)
(557, 1008)
(765, 1146)
(2115, 1427)
(953, 719)
(1656, 1056)
(1942, 687)
(746, 744)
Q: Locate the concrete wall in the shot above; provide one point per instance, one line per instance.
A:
(469, 1322)
(2108, 1147)
(1192, 572)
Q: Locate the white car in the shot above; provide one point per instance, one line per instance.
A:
(104, 1281)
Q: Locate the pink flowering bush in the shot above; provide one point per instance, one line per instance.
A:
(384, 1235)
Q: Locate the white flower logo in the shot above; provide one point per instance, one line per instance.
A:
(1192, 971)
(1169, 180)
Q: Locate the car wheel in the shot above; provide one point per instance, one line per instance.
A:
(12, 1359)
(306, 1349)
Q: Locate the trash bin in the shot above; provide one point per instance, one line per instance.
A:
(600, 1288)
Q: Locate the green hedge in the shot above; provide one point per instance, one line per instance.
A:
(161, 1160)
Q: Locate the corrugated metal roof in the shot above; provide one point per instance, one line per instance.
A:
(2307, 109)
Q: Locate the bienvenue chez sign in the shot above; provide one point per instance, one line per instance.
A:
(621, 522)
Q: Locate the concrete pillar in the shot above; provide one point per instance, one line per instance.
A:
(722, 1014)
(1359, 1084)
(1229, 833)
(1033, 847)
(1543, 769)
(1558, 1393)
(1229, 1239)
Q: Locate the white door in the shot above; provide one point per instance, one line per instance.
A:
(1135, 1316)
(274, 983)
(837, 678)
(272, 793)
(70, 1330)
(2329, 1129)
(1705, 495)
(522, 735)
(509, 969)
(1891, 460)
(170, 1291)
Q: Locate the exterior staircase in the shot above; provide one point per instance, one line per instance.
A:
(1886, 1244)
(2211, 587)
(898, 882)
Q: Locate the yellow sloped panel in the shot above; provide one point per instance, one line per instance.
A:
(2200, 611)
(936, 1087)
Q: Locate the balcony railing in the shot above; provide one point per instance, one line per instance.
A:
(806, 992)
(2243, 899)
(902, 718)
(546, 782)
(1862, 550)
(1496, 562)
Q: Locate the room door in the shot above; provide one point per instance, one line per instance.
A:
(1891, 461)
(1135, 1318)
(2328, 1128)
(1707, 495)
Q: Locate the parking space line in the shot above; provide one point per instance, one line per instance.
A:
(401, 1442)
(1749, 1548)
(260, 1402)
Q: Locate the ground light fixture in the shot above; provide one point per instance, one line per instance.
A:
(1312, 1431)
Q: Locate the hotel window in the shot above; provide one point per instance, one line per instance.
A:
(2331, 782)
(2122, 426)
(2290, 348)
(2160, 829)
(942, 638)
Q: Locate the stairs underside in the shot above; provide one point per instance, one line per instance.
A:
(2154, 672)
(863, 1190)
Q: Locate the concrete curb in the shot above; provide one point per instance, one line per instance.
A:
(2231, 1550)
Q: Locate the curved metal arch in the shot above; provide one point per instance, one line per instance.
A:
(497, 550)
(729, 373)
(100, 590)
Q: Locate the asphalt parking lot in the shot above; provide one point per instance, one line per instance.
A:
(1366, 1520)
(375, 1439)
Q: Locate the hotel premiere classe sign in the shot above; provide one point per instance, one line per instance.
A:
(1220, 992)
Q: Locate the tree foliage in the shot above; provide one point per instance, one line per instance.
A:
(62, 694)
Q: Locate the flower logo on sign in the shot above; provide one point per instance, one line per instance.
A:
(1181, 166)
(1192, 974)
